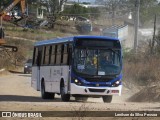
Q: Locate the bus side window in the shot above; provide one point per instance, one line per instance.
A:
(43, 56)
(65, 54)
(35, 56)
(62, 52)
(50, 53)
(39, 58)
(46, 55)
(53, 56)
(58, 55)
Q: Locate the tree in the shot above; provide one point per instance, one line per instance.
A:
(76, 10)
(54, 7)
(94, 12)
(148, 8)
(113, 6)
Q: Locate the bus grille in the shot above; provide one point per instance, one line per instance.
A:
(96, 90)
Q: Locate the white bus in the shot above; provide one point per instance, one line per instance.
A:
(79, 66)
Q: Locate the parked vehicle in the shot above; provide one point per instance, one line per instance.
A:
(28, 66)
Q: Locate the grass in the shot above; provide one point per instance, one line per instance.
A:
(34, 34)
(60, 30)
(144, 72)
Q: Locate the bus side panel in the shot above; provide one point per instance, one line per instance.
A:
(52, 76)
(45, 74)
(58, 73)
(35, 78)
(56, 76)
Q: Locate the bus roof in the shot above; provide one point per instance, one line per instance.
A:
(70, 39)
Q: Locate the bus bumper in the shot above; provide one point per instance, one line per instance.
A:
(102, 91)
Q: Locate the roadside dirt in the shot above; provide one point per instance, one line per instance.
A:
(16, 94)
(147, 94)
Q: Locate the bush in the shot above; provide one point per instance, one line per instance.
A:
(10, 59)
(141, 69)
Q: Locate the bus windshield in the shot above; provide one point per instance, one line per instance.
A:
(101, 62)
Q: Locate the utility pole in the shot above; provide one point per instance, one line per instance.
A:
(154, 36)
(136, 24)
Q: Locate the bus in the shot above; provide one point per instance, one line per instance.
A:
(76, 66)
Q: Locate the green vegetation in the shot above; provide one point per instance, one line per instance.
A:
(78, 10)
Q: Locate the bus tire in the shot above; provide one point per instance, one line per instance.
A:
(107, 99)
(44, 94)
(25, 72)
(64, 97)
(83, 99)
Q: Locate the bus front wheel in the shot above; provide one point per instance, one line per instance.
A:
(107, 99)
(44, 94)
(65, 97)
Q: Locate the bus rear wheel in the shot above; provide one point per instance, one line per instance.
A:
(44, 94)
(107, 99)
(65, 97)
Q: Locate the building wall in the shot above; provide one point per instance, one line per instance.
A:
(129, 41)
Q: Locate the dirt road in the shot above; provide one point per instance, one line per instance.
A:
(16, 94)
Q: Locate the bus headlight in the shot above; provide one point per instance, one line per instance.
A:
(78, 82)
(116, 84)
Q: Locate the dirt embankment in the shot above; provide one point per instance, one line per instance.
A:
(147, 94)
